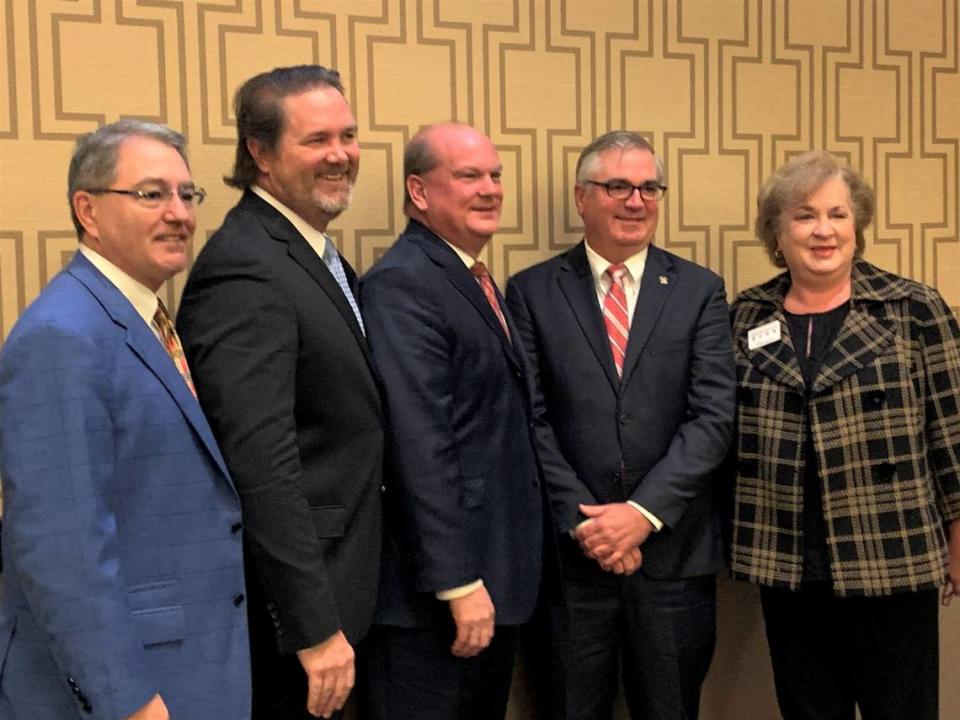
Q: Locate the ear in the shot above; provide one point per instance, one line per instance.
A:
(86, 212)
(417, 191)
(260, 155)
(578, 193)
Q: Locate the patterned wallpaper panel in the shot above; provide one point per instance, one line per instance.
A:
(726, 90)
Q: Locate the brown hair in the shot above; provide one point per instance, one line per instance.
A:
(797, 180)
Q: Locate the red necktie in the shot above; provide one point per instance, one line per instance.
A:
(482, 275)
(615, 315)
(172, 343)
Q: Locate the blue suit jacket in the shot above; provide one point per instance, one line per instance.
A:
(657, 436)
(462, 499)
(123, 568)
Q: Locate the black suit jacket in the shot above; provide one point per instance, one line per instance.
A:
(463, 498)
(284, 375)
(657, 436)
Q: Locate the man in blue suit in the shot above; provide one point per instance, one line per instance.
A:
(463, 508)
(630, 346)
(122, 592)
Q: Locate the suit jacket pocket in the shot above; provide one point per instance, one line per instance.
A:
(160, 625)
(678, 345)
(157, 613)
(328, 520)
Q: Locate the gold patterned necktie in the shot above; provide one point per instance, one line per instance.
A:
(168, 335)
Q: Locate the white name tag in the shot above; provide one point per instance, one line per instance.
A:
(763, 335)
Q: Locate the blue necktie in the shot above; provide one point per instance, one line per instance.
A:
(332, 260)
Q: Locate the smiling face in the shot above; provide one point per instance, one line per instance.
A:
(617, 229)
(818, 236)
(314, 165)
(460, 198)
(149, 244)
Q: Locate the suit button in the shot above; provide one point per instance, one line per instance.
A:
(87, 708)
(383, 488)
(73, 684)
(235, 528)
(238, 600)
(624, 418)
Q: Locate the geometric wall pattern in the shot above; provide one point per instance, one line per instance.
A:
(725, 89)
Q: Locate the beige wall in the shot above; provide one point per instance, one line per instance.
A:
(726, 89)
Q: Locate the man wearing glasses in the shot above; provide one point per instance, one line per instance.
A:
(123, 586)
(631, 348)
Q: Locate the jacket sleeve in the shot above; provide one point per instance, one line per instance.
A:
(566, 490)
(60, 530)
(701, 442)
(940, 355)
(240, 335)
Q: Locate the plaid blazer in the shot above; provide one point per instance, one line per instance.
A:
(886, 431)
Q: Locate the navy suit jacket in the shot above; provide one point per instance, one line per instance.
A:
(123, 568)
(657, 436)
(463, 499)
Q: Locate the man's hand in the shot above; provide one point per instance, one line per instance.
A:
(952, 588)
(628, 564)
(156, 709)
(330, 674)
(611, 531)
(473, 615)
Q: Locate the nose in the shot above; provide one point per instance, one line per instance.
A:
(635, 199)
(823, 228)
(176, 210)
(490, 187)
(337, 154)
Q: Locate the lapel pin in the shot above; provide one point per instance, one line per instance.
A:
(664, 280)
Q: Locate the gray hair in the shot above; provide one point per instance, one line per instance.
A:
(94, 161)
(614, 140)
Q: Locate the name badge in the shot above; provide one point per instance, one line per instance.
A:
(763, 335)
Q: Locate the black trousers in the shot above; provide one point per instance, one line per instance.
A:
(662, 631)
(829, 654)
(410, 674)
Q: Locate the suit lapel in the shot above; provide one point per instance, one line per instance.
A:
(778, 360)
(863, 335)
(146, 346)
(306, 257)
(656, 286)
(578, 287)
(464, 281)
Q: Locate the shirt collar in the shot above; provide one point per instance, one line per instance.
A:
(315, 238)
(598, 264)
(143, 299)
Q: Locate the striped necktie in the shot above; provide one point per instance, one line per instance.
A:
(482, 275)
(615, 315)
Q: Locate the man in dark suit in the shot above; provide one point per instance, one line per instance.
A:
(122, 592)
(631, 350)
(463, 507)
(276, 342)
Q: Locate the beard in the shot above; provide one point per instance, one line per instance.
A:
(334, 204)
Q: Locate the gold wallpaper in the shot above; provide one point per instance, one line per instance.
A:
(725, 89)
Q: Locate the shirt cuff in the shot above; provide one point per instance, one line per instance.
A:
(459, 592)
(654, 520)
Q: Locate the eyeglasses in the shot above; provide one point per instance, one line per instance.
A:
(155, 197)
(621, 190)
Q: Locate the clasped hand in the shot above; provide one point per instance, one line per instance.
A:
(612, 535)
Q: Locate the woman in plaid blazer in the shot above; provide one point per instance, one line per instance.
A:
(847, 494)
